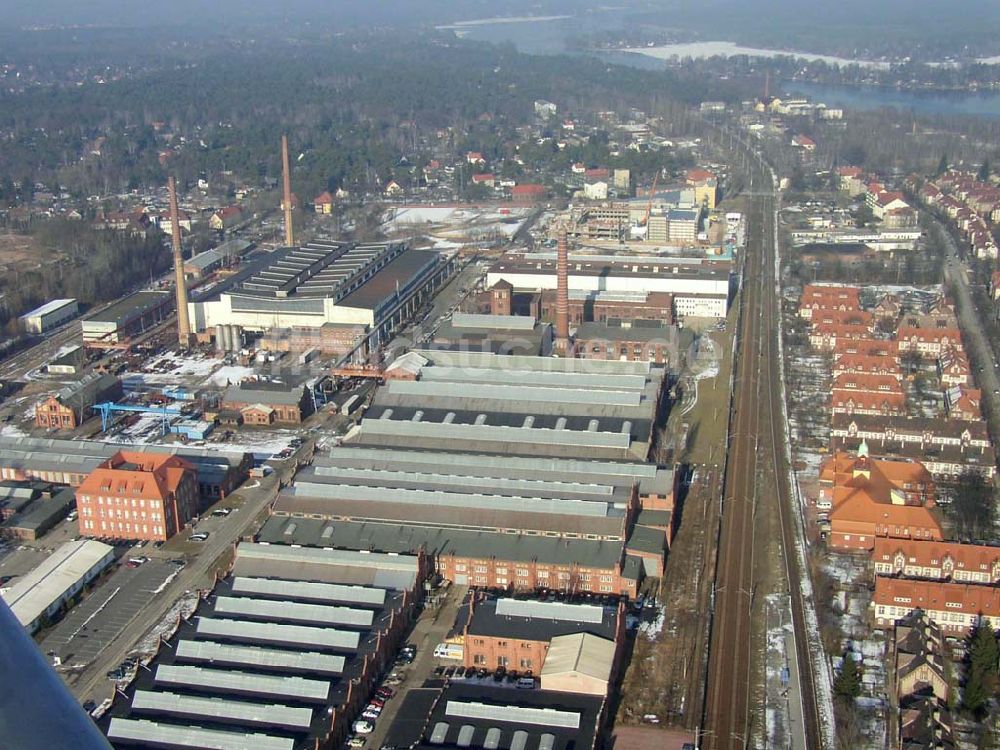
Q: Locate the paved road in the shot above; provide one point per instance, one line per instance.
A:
(429, 630)
(94, 623)
(976, 345)
(92, 683)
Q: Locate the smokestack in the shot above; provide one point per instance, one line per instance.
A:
(562, 288)
(289, 233)
(183, 324)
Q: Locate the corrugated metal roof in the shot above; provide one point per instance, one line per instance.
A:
(473, 359)
(494, 433)
(314, 590)
(35, 592)
(326, 557)
(479, 464)
(212, 708)
(526, 504)
(254, 656)
(270, 632)
(243, 682)
(550, 610)
(171, 735)
(500, 485)
(294, 611)
(519, 394)
(545, 717)
(580, 652)
(523, 378)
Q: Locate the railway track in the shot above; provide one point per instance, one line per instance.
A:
(756, 464)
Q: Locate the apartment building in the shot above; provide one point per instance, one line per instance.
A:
(954, 607)
(940, 561)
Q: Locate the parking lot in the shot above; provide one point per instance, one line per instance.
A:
(81, 635)
(17, 559)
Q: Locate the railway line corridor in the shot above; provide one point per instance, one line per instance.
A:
(756, 535)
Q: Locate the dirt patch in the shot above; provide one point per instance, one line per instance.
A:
(665, 677)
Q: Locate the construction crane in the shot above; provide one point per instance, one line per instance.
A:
(108, 408)
(652, 194)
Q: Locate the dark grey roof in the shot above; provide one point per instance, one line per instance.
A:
(408, 539)
(487, 622)
(397, 274)
(646, 539)
(131, 307)
(43, 513)
(263, 392)
(633, 568)
(653, 518)
(438, 709)
(266, 694)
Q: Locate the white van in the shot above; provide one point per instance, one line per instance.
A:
(449, 651)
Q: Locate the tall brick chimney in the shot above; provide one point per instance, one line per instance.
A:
(183, 323)
(562, 290)
(287, 201)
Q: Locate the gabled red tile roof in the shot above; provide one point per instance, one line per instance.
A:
(937, 596)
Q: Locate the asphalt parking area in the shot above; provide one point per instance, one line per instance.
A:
(90, 626)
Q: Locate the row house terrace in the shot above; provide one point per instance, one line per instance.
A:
(867, 347)
(939, 561)
(867, 365)
(954, 607)
(828, 338)
(817, 297)
(928, 342)
(963, 402)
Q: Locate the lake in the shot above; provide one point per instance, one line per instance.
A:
(550, 36)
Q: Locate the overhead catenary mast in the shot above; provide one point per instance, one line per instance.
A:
(183, 322)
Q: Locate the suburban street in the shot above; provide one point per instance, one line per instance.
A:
(979, 349)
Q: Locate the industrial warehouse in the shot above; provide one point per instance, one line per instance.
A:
(350, 294)
(71, 461)
(534, 406)
(279, 656)
(698, 287)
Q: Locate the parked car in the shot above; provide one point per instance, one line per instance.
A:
(385, 693)
(356, 741)
(363, 727)
(369, 715)
(201, 536)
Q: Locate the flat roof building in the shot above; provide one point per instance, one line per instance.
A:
(38, 596)
(50, 315)
(697, 287)
(322, 282)
(127, 317)
(459, 715)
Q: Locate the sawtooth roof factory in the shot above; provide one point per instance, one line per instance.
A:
(324, 284)
(278, 657)
(516, 405)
